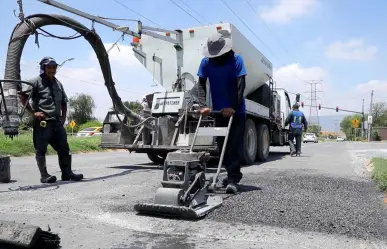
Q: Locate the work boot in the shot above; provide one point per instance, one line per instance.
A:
(44, 176)
(293, 152)
(232, 188)
(224, 182)
(65, 166)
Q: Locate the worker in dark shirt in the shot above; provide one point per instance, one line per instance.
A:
(48, 103)
(297, 121)
(226, 73)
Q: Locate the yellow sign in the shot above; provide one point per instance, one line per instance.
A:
(355, 123)
(72, 124)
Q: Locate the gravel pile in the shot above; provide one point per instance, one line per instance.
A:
(308, 201)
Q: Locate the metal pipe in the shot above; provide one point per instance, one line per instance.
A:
(223, 150)
(90, 17)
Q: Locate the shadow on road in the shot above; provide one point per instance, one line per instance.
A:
(138, 167)
(59, 183)
(273, 156)
(220, 191)
(242, 189)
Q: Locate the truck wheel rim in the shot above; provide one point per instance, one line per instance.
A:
(250, 142)
(265, 143)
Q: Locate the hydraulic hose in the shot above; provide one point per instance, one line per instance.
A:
(18, 39)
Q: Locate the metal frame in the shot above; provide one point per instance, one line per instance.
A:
(124, 29)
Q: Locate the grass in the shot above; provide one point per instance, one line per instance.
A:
(22, 145)
(379, 172)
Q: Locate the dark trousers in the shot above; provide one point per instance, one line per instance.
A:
(295, 133)
(234, 151)
(53, 134)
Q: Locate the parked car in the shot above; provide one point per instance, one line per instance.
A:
(310, 137)
(340, 139)
(90, 132)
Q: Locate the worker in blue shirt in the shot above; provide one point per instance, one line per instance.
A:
(297, 121)
(226, 73)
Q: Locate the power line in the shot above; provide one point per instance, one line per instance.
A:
(313, 101)
(79, 80)
(186, 12)
(205, 19)
(256, 35)
(264, 23)
(125, 6)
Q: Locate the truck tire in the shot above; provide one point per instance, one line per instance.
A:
(263, 148)
(156, 157)
(250, 144)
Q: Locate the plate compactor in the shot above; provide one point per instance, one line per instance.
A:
(185, 191)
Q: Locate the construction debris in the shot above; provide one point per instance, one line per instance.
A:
(19, 235)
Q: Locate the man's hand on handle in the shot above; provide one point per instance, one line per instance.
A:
(228, 112)
(205, 111)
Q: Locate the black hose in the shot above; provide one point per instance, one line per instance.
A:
(12, 67)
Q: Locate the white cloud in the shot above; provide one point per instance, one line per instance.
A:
(132, 80)
(315, 43)
(286, 10)
(291, 77)
(350, 99)
(354, 49)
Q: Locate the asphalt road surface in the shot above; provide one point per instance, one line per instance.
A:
(323, 199)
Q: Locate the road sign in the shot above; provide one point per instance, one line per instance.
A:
(370, 119)
(72, 124)
(355, 123)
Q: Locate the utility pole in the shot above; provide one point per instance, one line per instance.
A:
(313, 112)
(363, 121)
(370, 114)
(336, 125)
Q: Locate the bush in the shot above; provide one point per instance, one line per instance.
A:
(22, 145)
(379, 172)
(92, 123)
(375, 136)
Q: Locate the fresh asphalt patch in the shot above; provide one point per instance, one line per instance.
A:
(310, 201)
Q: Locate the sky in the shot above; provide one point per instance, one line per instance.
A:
(340, 44)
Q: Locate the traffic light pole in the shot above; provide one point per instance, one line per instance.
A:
(370, 125)
(337, 109)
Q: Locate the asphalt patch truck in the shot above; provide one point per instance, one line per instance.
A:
(175, 67)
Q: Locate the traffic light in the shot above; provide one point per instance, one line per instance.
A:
(302, 104)
(319, 106)
(337, 109)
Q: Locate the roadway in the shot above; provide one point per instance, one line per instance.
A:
(323, 199)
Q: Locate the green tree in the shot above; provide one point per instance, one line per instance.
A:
(81, 108)
(133, 106)
(379, 114)
(346, 125)
(316, 129)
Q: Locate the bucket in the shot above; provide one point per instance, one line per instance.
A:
(5, 169)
